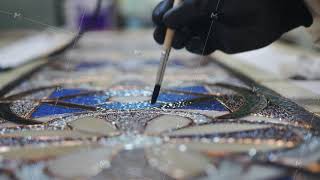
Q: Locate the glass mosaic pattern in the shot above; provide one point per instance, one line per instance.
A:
(88, 117)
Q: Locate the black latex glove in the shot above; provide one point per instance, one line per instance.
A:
(241, 25)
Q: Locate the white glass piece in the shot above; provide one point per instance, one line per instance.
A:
(166, 123)
(218, 128)
(85, 163)
(93, 125)
(177, 162)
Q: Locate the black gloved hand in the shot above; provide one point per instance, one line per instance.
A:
(241, 25)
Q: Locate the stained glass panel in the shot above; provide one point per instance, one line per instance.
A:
(87, 115)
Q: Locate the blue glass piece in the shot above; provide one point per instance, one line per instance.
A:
(171, 63)
(129, 106)
(101, 100)
(195, 89)
(90, 65)
(173, 97)
(47, 110)
(152, 62)
(65, 92)
(176, 62)
(89, 100)
(212, 105)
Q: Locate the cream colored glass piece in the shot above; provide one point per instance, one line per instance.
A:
(38, 153)
(245, 172)
(212, 114)
(263, 172)
(43, 134)
(218, 128)
(7, 124)
(33, 47)
(12, 75)
(166, 123)
(93, 125)
(176, 162)
(85, 163)
(221, 148)
(130, 99)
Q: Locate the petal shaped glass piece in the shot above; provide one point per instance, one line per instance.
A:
(176, 162)
(240, 170)
(166, 123)
(39, 152)
(47, 134)
(93, 125)
(212, 148)
(85, 163)
(217, 128)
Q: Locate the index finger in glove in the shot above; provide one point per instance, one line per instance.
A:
(160, 10)
(188, 12)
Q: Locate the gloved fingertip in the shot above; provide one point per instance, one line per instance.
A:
(180, 39)
(308, 18)
(177, 45)
(198, 46)
(156, 15)
(208, 52)
(159, 34)
(195, 45)
(182, 15)
(160, 10)
(171, 19)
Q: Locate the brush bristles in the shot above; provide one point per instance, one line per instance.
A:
(156, 92)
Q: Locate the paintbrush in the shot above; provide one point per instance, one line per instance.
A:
(165, 53)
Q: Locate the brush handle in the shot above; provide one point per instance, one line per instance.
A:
(166, 51)
(164, 59)
(170, 32)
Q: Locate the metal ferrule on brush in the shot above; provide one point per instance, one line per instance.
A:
(162, 68)
(163, 63)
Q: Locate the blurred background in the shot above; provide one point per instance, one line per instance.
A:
(17, 15)
(35, 14)
(297, 57)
